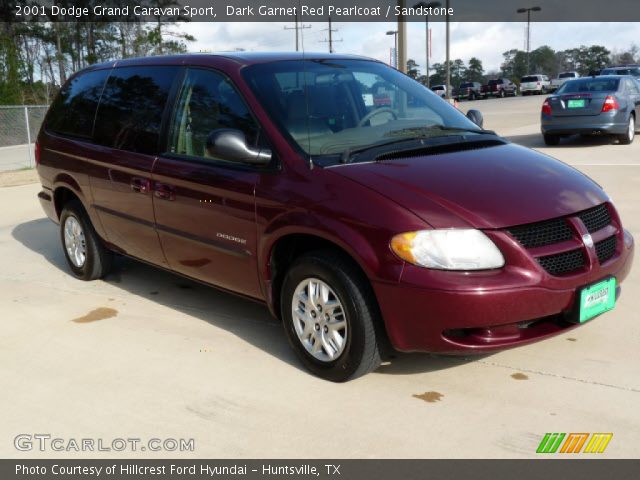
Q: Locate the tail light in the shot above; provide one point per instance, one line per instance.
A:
(36, 151)
(610, 103)
(546, 107)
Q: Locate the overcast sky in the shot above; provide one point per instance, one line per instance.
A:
(487, 41)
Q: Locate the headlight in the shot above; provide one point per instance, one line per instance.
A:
(448, 249)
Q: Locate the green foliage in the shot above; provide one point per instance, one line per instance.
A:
(37, 57)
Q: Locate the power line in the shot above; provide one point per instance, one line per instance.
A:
(297, 28)
(330, 41)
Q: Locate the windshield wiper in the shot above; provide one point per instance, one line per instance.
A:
(417, 140)
(424, 132)
(347, 154)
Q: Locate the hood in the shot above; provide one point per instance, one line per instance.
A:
(496, 187)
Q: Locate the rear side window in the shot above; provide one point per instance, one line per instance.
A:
(74, 109)
(131, 109)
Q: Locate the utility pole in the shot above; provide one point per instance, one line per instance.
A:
(331, 40)
(427, 34)
(297, 28)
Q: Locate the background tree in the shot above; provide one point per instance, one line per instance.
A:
(412, 68)
(475, 72)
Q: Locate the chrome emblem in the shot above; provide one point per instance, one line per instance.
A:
(588, 241)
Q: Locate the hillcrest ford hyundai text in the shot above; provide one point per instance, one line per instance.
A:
(359, 222)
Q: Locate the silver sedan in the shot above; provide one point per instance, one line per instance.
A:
(603, 105)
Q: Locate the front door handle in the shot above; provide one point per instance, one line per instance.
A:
(140, 185)
(164, 191)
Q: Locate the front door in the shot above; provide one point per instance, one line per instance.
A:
(204, 206)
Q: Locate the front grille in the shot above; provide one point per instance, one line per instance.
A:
(542, 233)
(564, 262)
(596, 218)
(606, 248)
(558, 230)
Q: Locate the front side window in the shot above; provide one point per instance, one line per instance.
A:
(330, 107)
(131, 108)
(207, 102)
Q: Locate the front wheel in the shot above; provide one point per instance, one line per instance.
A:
(330, 316)
(627, 138)
(86, 255)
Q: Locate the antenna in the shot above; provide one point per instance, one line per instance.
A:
(330, 41)
(297, 28)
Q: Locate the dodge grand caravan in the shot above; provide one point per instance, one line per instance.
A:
(360, 224)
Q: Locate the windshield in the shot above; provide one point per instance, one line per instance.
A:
(466, 85)
(590, 85)
(567, 75)
(530, 78)
(331, 107)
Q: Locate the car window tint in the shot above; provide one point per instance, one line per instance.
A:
(208, 102)
(590, 85)
(74, 109)
(130, 112)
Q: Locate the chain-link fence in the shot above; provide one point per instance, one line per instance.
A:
(19, 126)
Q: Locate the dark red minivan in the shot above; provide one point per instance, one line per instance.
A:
(283, 178)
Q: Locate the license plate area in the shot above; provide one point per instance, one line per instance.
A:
(596, 299)
(576, 103)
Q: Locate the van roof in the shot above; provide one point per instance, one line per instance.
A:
(245, 58)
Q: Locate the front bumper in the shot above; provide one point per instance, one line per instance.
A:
(462, 312)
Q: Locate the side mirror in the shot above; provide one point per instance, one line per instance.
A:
(231, 145)
(476, 117)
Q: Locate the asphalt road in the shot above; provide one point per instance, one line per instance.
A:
(146, 354)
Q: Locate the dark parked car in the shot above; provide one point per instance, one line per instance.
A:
(499, 87)
(468, 91)
(633, 70)
(600, 105)
(280, 178)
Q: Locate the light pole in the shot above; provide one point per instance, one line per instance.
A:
(528, 12)
(426, 5)
(448, 85)
(395, 46)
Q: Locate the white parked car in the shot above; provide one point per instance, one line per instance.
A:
(556, 83)
(440, 90)
(535, 84)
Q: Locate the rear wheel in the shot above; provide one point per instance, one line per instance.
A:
(502, 93)
(627, 138)
(551, 139)
(330, 316)
(86, 255)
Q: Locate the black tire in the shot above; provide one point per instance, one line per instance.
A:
(551, 140)
(627, 138)
(98, 259)
(362, 344)
(502, 93)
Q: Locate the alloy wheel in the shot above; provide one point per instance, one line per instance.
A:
(319, 319)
